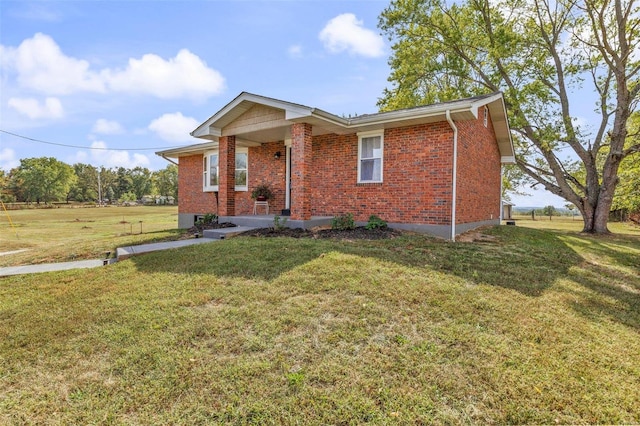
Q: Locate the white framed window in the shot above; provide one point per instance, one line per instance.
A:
(370, 156)
(242, 169)
(211, 170)
(486, 116)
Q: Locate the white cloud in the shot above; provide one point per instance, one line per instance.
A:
(174, 127)
(100, 156)
(107, 127)
(40, 65)
(32, 108)
(186, 75)
(346, 33)
(8, 159)
(295, 51)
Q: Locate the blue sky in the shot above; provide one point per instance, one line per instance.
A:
(125, 79)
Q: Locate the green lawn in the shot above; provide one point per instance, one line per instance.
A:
(528, 326)
(63, 234)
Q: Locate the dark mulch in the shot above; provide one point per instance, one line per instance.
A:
(359, 233)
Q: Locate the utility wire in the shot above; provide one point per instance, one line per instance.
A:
(85, 147)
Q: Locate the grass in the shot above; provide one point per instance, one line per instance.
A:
(64, 234)
(531, 326)
(568, 224)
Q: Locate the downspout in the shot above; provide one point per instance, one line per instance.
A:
(501, 188)
(455, 175)
(171, 161)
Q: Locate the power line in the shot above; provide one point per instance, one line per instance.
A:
(85, 147)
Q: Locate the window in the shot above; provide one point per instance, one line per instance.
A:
(242, 165)
(486, 116)
(370, 158)
(211, 170)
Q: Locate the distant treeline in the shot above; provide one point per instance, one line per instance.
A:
(47, 180)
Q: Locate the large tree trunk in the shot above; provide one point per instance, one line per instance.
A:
(596, 218)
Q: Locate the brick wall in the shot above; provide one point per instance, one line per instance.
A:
(191, 199)
(478, 172)
(417, 176)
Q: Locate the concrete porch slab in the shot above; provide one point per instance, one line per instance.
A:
(266, 221)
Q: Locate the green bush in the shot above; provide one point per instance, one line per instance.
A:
(279, 223)
(343, 222)
(375, 222)
(207, 219)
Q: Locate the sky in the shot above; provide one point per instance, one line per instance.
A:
(118, 80)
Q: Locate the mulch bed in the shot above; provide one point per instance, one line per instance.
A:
(359, 233)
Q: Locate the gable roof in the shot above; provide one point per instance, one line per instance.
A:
(324, 122)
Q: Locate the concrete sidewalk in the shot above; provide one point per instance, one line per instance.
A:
(49, 267)
(126, 252)
(121, 254)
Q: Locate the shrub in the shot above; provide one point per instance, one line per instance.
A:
(343, 222)
(207, 219)
(376, 223)
(279, 223)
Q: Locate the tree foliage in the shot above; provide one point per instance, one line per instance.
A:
(166, 181)
(627, 196)
(47, 179)
(543, 56)
(43, 179)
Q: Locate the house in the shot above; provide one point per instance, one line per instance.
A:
(421, 169)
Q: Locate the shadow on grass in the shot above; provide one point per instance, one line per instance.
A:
(524, 260)
(611, 278)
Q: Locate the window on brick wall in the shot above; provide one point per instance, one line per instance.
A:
(242, 167)
(211, 170)
(370, 156)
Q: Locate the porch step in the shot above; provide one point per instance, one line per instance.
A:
(224, 233)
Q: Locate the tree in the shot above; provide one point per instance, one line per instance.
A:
(43, 179)
(627, 197)
(541, 54)
(86, 185)
(549, 211)
(123, 183)
(141, 182)
(166, 181)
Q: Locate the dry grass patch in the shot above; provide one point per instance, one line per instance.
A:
(65, 234)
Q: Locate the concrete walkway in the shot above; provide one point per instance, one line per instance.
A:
(126, 252)
(49, 267)
(121, 253)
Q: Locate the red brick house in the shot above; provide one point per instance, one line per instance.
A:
(420, 169)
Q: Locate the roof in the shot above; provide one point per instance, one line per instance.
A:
(287, 113)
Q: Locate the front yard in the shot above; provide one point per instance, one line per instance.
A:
(524, 326)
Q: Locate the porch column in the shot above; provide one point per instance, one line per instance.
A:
(227, 176)
(301, 171)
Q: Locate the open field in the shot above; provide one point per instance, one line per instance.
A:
(527, 326)
(64, 234)
(568, 224)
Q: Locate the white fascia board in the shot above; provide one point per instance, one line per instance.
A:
(191, 149)
(508, 159)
